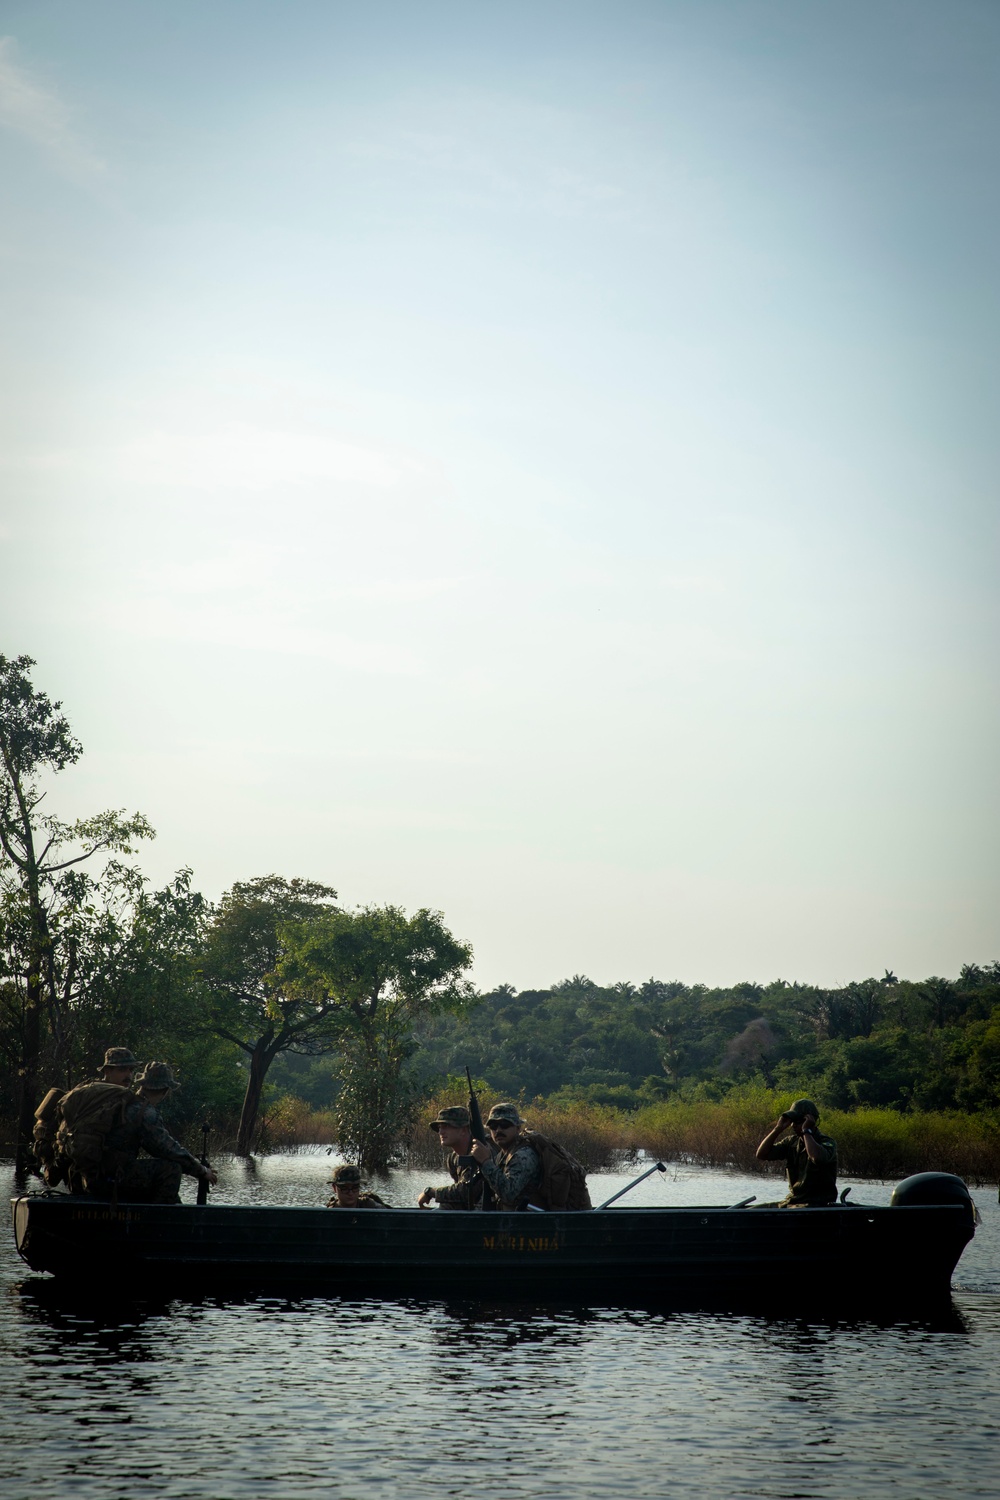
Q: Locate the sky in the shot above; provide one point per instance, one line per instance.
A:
(537, 462)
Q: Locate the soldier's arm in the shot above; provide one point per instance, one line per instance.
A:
(767, 1151)
(157, 1140)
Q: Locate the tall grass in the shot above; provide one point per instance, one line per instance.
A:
(879, 1143)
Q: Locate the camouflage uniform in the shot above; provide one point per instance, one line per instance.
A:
(811, 1183)
(347, 1175)
(121, 1173)
(515, 1172)
(468, 1188)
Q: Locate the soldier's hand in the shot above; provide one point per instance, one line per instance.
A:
(210, 1175)
(480, 1152)
(426, 1198)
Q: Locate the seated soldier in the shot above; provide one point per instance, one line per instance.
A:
(514, 1173)
(118, 1069)
(121, 1173)
(810, 1158)
(346, 1184)
(467, 1188)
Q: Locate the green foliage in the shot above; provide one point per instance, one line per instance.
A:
(244, 999)
(875, 1043)
(383, 972)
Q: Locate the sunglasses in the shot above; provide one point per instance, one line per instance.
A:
(495, 1125)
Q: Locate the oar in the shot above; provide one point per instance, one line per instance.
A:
(634, 1183)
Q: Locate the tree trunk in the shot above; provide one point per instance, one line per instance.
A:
(261, 1059)
(31, 1052)
(28, 1071)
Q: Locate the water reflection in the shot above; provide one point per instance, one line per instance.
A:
(193, 1398)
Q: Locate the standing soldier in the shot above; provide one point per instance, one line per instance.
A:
(346, 1184)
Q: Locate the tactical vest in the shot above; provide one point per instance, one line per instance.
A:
(563, 1183)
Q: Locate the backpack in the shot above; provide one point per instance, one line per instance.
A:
(44, 1137)
(563, 1183)
(87, 1113)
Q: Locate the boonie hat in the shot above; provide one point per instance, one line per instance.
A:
(801, 1108)
(120, 1057)
(157, 1075)
(506, 1112)
(346, 1174)
(455, 1114)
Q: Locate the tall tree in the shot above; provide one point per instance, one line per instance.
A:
(36, 852)
(381, 971)
(246, 1003)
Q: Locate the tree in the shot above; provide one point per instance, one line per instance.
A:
(36, 852)
(381, 972)
(246, 1003)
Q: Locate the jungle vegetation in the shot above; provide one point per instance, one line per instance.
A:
(287, 1013)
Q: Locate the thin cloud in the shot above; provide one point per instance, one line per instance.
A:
(41, 116)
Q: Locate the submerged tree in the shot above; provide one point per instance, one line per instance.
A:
(382, 972)
(38, 853)
(246, 1002)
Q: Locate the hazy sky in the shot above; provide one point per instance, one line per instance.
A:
(535, 460)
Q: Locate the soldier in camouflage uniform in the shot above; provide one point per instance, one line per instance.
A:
(119, 1067)
(467, 1188)
(516, 1170)
(346, 1184)
(810, 1158)
(121, 1171)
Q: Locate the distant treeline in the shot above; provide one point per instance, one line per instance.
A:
(904, 1045)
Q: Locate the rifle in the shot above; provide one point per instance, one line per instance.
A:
(478, 1129)
(202, 1198)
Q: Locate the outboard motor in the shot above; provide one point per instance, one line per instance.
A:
(934, 1188)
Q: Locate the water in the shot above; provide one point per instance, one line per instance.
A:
(235, 1399)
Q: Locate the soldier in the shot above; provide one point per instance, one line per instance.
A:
(516, 1170)
(467, 1187)
(810, 1158)
(122, 1173)
(346, 1184)
(119, 1067)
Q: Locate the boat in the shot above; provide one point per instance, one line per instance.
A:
(905, 1252)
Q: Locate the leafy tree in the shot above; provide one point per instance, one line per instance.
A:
(37, 855)
(380, 972)
(245, 1002)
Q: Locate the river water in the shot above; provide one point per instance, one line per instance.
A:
(291, 1399)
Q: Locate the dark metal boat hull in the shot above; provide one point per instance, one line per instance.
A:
(621, 1255)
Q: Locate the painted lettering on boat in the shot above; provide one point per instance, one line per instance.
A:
(105, 1215)
(528, 1242)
